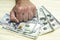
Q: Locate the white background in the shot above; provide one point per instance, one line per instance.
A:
(52, 5)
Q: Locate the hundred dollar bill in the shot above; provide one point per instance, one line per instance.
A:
(39, 25)
(29, 29)
(53, 21)
(46, 27)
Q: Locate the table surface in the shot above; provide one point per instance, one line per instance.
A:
(52, 5)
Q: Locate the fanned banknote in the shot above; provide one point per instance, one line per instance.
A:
(44, 22)
(46, 27)
(29, 29)
(52, 20)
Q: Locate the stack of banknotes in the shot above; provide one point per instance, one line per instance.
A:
(44, 22)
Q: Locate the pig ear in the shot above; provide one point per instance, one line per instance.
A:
(12, 17)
